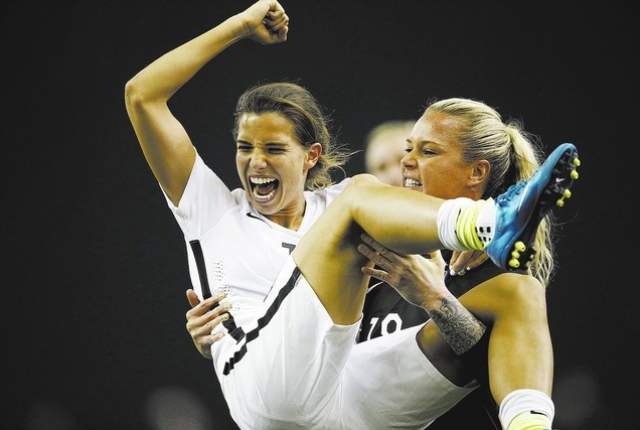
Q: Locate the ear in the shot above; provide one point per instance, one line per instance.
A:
(479, 173)
(313, 155)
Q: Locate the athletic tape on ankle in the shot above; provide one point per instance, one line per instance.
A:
(466, 226)
(525, 401)
(530, 421)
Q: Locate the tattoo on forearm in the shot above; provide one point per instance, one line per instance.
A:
(461, 330)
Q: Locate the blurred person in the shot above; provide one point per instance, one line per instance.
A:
(385, 146)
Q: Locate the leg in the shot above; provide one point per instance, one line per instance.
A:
(520, 353)
(408, 223)
(327, 256)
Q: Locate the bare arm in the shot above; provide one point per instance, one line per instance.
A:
(460, 329)
(164, 141)
(421, 281)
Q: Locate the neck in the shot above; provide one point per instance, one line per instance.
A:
(290, 217)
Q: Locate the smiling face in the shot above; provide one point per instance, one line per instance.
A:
(434, 161)
(272, 164)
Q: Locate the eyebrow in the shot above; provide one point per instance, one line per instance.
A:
(271, 144)
(424, 142)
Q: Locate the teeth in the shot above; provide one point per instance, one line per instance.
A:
(261, 181)
(264, 199)
(409, 183)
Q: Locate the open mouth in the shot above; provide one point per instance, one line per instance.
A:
(263, 188)
(412, 183)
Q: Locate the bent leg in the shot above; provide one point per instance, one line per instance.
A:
(400, 219)
(520, 352)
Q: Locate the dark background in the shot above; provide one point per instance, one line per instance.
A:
(95, 264)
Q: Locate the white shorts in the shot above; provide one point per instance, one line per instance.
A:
(295, 369)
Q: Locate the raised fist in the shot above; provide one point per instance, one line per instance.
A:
(266, 22)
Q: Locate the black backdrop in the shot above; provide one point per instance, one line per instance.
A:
(95, 267)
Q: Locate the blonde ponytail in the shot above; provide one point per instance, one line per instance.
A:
(513, 156)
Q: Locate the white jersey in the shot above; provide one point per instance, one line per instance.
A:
(243, 250)
(286, 365)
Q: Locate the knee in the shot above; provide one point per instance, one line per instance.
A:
(508, 296)
(356, 190)
(524, 296)
(358, 182)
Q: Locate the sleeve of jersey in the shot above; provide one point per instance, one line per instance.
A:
(334, 190)
(204, 201)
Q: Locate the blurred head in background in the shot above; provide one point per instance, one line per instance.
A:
(385, 146)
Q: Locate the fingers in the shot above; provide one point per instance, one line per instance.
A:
(458, 262)
(207, 329)
(281, 27)
(204, 336)
(211, 339)
(375, 273)
(453, 262)
(277, 29)
(276, 19)
(194, 322)
(282, 34)
(200, 308)
(479, 258)
(372, 243)
(373, 256)
(379, 248)
(192, 297)
(276, 22)
(461, 262)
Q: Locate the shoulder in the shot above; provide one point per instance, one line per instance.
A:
(328, 193)
(337, 187)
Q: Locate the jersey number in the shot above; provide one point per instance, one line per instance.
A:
(390, 323)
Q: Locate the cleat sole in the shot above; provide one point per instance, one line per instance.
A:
(553, 197)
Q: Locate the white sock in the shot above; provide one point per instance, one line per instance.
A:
(525, 400)
(447, 219)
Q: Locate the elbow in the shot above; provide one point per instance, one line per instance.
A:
(133, 95)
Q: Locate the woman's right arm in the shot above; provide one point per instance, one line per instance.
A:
(421, 281)
(164, 141)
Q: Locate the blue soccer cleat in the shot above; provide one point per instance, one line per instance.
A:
(520, 209)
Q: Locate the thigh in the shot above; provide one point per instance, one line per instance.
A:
(328, 258)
